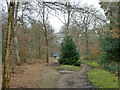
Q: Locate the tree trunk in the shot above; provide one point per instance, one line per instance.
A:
(68, 21)
(16, 47)
(0, 50)
(46, 39)
(17, 51)
(87, 45)
(39, 51)
(9, 45)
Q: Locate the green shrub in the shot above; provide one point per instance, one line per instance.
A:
(110, 47)
(78, 63)
(69, 55)
(112, 67)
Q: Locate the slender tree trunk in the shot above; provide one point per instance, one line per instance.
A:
(16, 47)
(39, 49)
(16, 13)
(0, 50)
(68, 19)
(87, 45)
(87, 48)
(22, 17)
(46, 39)
(47, 56)
(9, 44)
(14, 21)
(17, 50)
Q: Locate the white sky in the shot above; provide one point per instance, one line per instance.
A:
(56, 23)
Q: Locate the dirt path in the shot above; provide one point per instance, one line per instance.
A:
(41, 75)
(75, 79)
(37, 75)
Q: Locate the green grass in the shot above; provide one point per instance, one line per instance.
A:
(92, 63)
(51, 58)
(67, 67)
(102, 79)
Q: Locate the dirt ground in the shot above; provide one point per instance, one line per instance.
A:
(75, 79)
(42, 75)
(37, 75)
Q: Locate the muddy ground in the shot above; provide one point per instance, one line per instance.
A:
(75, 79)
(41, 75)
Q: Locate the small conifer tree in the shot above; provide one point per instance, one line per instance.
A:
(69, 55)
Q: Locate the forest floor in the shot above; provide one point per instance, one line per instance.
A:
(36, 75)
(42, 75)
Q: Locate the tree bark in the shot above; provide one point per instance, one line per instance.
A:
(46, 39)
(9, 45)
(17, 50)
(39, 49)
(68, 19)
(87, 45)
(16, 47)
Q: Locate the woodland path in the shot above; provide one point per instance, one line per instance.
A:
(41, 75)
(75, 79)
(36, 75)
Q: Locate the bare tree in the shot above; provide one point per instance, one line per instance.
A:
(7, 62)
(84, 24)
(45, 29)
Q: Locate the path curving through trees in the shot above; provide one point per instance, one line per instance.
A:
(41, 75)
(75, 79)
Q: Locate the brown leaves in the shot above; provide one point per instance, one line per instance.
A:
(115, 33)
(24, 37)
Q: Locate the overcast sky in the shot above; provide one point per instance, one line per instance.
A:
(56, 23)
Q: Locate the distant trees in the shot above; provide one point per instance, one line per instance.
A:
(69, 55)
(85, 26)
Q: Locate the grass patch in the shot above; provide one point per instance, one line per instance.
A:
(67, 67)
(51, 58)
(91, 63)
(102, 79)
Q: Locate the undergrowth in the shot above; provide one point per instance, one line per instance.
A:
(102, 78)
